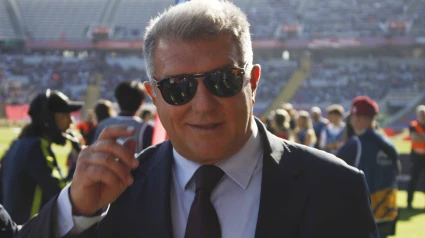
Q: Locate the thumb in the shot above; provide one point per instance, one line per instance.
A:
(130, 144)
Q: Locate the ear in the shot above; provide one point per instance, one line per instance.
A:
(149, 90)
(255, 78)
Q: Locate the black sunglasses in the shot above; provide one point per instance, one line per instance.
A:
(179, 90)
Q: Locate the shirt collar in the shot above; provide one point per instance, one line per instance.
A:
(128, 118)
(239, 167)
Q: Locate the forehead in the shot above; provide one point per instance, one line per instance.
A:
(187, 57)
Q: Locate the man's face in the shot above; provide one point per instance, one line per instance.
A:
(63, 121)
(207, 129)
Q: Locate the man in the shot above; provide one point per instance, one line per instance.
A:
(221, 174)
(319, 123)
(417, 155)
(103, 110)
(374, 154)
(31, 175)
(332, 136)
(130, 96)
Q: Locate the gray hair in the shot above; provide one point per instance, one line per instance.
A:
(198, 20)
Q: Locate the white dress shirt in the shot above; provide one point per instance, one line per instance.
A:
(236, 197)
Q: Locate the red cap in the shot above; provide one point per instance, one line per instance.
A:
(364, 106)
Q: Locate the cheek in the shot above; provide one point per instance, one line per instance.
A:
(170, 116)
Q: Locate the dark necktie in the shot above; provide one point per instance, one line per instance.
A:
(203, 221)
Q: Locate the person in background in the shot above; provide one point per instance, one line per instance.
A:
(349, 131)
(221, 174)
(319, 122)
(130, 96)
(31, 174)
(373, 153)
(332, 135)
(304, 132)
(293, 114)
(87, 127)
(103, 110)
(148, 116)
(279, 123)
(417, 154)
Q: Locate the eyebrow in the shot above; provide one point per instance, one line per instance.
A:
(186, 74)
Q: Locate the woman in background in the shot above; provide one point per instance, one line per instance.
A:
(279, 124)
(304, 132)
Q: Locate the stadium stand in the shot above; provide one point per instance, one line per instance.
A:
(263, 25)
(6, 29)
(60, 19)
(71, 19)
(341, 80)
(25, 76)
(132, 16)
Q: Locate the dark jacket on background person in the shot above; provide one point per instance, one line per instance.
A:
(31, 176)
(377, 157)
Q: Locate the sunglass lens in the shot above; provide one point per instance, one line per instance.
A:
(224, 83)
(179, 93)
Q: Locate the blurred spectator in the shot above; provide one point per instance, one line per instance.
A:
(319, 122)
(417, 155)
(293, 114)
(87, 127)
(332, 136)
(103, 110)
(147, 115)
(374, 154)
(304, 132)
(31, 174)
(130, 96)
(279, 124)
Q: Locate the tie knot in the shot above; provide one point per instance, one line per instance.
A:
(207, 177)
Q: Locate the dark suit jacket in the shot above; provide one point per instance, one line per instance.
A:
(304, 193)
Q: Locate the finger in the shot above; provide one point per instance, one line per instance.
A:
(114, 132)
(130, 145)
(112, 147)
(105, 176)
(108, 161)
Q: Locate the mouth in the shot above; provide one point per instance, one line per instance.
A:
(207, 126)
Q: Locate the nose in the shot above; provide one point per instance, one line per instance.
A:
(204, 100)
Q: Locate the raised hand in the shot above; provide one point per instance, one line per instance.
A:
(103, 171)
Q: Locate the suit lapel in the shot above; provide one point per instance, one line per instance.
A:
(283, 193)
(152, 199)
